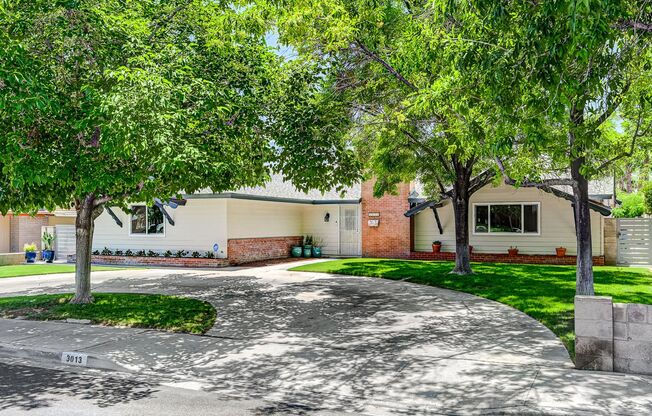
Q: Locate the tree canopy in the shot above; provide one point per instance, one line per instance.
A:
(109, 102)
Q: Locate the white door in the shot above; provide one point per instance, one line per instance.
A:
(349, 230)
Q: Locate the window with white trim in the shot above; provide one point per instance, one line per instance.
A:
(506, 218)
(147, 220)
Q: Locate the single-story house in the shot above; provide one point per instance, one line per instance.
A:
(264, 222)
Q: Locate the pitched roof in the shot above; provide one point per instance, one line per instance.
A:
(277, 189)
(436, 203)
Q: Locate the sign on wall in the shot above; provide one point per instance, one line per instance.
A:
(373, 223)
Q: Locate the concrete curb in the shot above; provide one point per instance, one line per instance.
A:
(11, 352)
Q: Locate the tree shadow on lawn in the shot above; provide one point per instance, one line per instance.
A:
(28, 388)
(544, 292)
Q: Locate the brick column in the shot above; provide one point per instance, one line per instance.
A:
(610, 243)
(391, 237)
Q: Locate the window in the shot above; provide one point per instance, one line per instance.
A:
(147, 220)
(520, 218)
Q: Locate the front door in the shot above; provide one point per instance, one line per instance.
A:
(349, 230)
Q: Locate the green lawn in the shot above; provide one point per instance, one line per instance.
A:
(545, 293)
(170, 313)
(37, 269)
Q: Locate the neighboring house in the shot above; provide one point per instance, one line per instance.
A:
(18, 229)
(264, 222)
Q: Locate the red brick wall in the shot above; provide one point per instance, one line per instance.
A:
(392, 237)
(240, 250)
(246, 250)
(156, 261)
(505, 258)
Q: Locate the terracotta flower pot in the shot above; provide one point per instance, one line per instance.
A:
(436, 248)
(561, 251)
(512, 251)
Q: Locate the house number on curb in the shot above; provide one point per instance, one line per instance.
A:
(74, 358)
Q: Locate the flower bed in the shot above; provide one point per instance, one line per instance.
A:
(505, 258)
(156, 261)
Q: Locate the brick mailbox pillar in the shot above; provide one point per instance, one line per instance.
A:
(385, 228)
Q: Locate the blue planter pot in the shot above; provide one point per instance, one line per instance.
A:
(30, 257)
(48, 255)
(297, 251)
(316, 252)
(307, 251)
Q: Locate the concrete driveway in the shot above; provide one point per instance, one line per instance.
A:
(341, 343)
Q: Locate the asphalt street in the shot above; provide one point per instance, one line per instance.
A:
(34, 391)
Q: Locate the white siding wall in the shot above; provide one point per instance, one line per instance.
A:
(557, 225)
(199, 225)
(329, 232)
(4, 234)
(254, 219)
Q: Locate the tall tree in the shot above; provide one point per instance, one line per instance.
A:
(579, 61)
(423, 99)
(110, 102)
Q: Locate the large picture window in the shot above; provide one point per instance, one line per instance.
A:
(510, 218)
(146, 220)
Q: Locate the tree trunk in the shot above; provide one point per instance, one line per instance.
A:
(629, 185)
(584, 273)
(461, 211)
(84, 227)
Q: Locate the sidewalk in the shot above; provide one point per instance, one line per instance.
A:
(314, 375)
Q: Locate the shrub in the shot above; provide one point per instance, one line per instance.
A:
(107, 252)
(181, 253)
(118, 253)
(196, 254)
(141, 253)
(29, 247)
(646, 190)
(167, 253)
(96, 252)
(209, 255)
(129, 253)
(632, 206)
(152, 253)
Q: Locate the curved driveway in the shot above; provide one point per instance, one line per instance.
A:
(335, 342)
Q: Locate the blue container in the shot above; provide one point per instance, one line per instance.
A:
(30, 256)
(297, 251)
(48, 256)
(307, 251)
(316, 252)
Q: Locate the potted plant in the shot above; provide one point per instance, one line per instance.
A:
(297, 251)
(307, 246)
(316, 246)
(30, 252)
(436, 246)
(48, 247)
(561, 251)
(512, 251)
